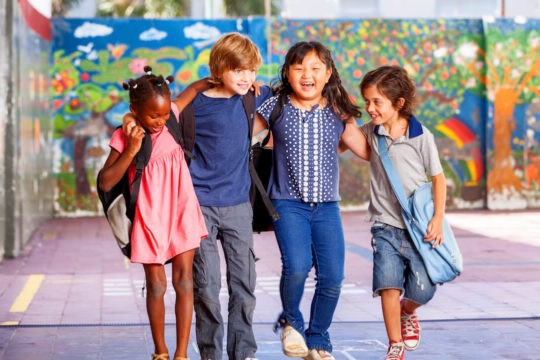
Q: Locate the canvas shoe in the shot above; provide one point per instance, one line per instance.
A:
(396, 351)
(293, 342)
(410, 330)
(315, 354)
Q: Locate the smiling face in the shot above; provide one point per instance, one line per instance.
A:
(379, 107)
(154, 113)
(308, 78)
(237, 81)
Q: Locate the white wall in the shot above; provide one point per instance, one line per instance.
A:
(527, 8)
(400, 9)
(310, 9)
(85, 8)
(347, 9)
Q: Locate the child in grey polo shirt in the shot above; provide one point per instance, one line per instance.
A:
(398, 269)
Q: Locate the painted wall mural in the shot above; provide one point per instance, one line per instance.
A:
(453, 62)
(91, 59)
(512, 79)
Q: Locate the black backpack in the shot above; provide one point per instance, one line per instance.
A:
(260, 162)
(119, 202)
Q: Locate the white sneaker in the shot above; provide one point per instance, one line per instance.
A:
(319, 355)
(293, 343)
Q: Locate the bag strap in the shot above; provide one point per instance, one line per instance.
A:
(186, 122)
(140, 160)
(274, 115)
(248, 100)
(177, 131)
(249, 107)
(392, 175)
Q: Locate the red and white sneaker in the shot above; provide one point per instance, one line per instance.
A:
(396, 351)
(410, 330)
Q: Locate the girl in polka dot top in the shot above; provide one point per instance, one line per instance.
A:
(316, 116)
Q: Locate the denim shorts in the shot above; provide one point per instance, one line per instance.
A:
(398, 265)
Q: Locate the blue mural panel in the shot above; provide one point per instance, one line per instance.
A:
(91, 58)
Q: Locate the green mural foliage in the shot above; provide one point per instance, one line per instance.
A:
(477, 91)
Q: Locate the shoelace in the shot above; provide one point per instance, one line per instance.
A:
(394, 353)
(410, 325)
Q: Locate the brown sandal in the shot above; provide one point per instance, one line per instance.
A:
(164, 356)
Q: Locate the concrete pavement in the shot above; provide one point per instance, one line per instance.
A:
(71, 295)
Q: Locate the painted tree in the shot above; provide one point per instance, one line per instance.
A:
(512, 60)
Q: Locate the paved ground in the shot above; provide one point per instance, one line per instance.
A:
(71, 295)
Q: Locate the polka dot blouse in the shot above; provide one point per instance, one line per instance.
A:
(305, 152)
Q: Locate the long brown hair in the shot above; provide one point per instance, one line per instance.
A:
(334, 92)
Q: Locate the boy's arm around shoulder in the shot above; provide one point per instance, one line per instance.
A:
(354, 140)
(190, 92)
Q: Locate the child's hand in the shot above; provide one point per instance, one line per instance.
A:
(435, 231)
(128, 122)
(201, 84)
(256, 87)
(135, 136)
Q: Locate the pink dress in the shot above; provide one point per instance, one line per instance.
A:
(168, 220)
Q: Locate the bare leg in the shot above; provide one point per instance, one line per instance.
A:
(391, 313)
(156, 285)
(182, 273)
(408, 306)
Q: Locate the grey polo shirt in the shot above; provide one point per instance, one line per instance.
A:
(415, 158)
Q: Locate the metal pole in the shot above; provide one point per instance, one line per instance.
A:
(9, 140)
(503, 8)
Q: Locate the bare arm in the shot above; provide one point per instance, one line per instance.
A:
(435, 226)
(259, 130)
(353, 139)
(189, 93)
(117, 164)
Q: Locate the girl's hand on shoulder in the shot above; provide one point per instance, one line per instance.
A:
(435, 231)
(135, 136)
(128, 122)
(256, 87)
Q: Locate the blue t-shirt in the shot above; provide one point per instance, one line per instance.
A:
(219, 169)
(305, 153)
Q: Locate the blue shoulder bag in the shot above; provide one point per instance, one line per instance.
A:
(444, 262)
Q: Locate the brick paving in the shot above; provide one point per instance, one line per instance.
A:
(88, 303)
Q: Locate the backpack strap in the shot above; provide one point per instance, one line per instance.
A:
(249, 107)
(187, 126)
(140, 160)
(173, 124)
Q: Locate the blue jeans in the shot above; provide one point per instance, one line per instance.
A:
(398, 265)
(230, 225)
(310, 235)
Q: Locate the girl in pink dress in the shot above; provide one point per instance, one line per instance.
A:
(168, 223)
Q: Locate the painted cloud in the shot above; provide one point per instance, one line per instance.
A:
(88, 29)
(201, 31)
(152, 34)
